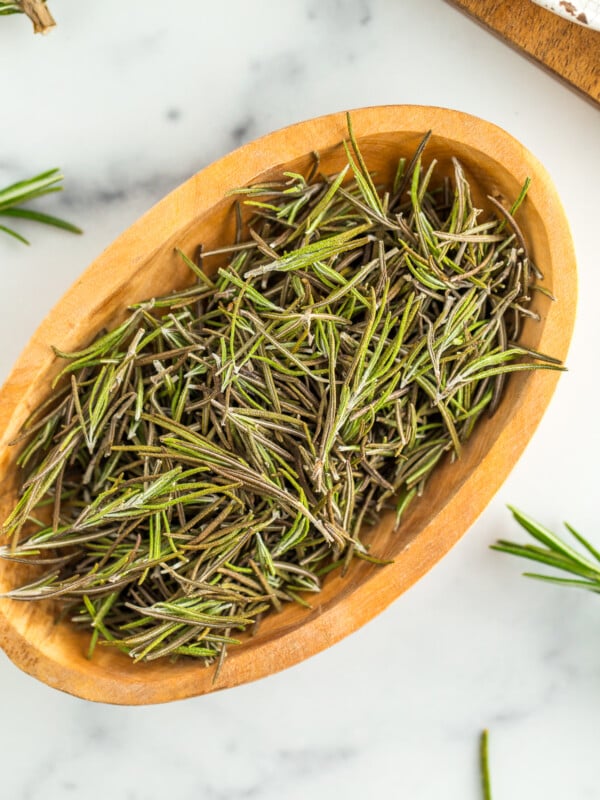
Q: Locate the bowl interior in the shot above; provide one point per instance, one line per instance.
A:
(294, 631)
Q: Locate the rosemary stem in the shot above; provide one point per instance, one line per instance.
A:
(484, 766)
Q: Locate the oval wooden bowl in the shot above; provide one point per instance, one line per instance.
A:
(142, 263)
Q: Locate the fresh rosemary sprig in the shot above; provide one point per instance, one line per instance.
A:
(37, 11)
(227, 446)
(486, 786)
(557, 553)
(13, 197)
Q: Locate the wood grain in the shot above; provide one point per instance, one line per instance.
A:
(142, 263)
(571, 52)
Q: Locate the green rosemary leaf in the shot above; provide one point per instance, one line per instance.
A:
(15, 195)
(588, 545)
(22, 191)
(199, 273)
(96, 618)
(362, 171)
(591, 585)
(317, 214)
(547, 557)
(521, 196)
(556, 553)
(547, 538)
(37, 216)
(10, 8)
(332, 246)
(14, 234)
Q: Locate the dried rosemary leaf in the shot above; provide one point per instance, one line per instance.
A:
(227, 446)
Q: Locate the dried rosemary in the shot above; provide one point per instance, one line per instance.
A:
(484, 766)
(225, 447)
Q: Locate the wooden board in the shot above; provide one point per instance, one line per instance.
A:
(571, 52)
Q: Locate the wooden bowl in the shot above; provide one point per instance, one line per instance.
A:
(142, 263)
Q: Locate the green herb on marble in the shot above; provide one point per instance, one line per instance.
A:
(581, 565)
(15, 196)
(486, 786)
(227, 446)
(7, 8)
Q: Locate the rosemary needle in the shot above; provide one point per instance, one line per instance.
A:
(13, 197)
(484, 766)
(555, 552)
(228, 445)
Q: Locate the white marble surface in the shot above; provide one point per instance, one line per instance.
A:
(130, 99)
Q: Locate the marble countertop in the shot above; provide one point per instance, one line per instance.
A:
(132, 98)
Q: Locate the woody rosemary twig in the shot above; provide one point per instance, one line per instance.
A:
(227, 446)
(37, 11)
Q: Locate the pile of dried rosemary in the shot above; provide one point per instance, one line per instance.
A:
(224, 448)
